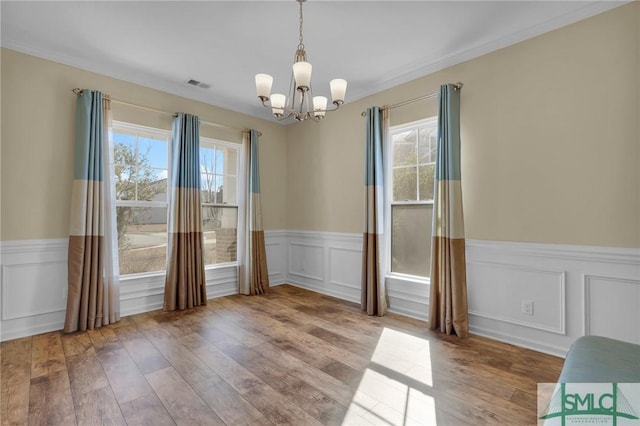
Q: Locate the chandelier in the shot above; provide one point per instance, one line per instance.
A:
(298, 104)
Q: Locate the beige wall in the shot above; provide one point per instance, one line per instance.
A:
(550, 135)
(38, 111)
(550, 141)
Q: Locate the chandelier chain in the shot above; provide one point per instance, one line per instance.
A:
(300, 20)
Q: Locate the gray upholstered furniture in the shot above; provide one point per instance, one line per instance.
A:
(594, 359)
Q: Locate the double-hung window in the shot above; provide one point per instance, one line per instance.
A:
(141, 169)
(142, 163)
(219, 165)
(410, 183)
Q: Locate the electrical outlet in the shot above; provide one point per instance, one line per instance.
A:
(527, 307)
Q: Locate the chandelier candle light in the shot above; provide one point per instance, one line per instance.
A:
(300, 90)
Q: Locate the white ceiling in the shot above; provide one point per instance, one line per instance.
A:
(374, 45)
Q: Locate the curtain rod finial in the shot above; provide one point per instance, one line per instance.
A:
(458, 85)
(77, 91)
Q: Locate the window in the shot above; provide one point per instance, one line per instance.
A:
(219, 165)
(141, 164)
(410, 194)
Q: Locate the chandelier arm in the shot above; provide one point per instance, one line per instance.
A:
(291, 111)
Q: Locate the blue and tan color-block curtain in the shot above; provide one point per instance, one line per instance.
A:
(374, 295)
(448, 309)
(185, 284)
(253, 275)
(94, 291)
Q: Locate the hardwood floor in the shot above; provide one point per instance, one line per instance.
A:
(289, 357)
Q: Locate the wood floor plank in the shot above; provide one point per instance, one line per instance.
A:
(228, 404)
(277, 408)
(125, 379)
(146, 410)
(183, 404)
(224, 366)
(104, 339)
(76, 343)
(186, 363)
(15, 372)
(85, 373)
(145, 355)
(50, 401)
(47, 355)
(98, 407)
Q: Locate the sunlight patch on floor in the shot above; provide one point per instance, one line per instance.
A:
(404, 354)
(395, 388)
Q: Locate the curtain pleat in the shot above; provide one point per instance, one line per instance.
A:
(374, 297)
(253, 275)
(93, 286)
(185, 285)
(448, 309)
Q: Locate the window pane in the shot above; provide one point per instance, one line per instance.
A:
(154, 151)
(207, 188)
(123, 142)
(142, 239)
(411, 239)
(433, 143)
(405, 184)
(227, 191)
(404, 148)
(219, 229)
(426, 181)
(207, 160)
(230, 162)
(125, 182)
(151, 184)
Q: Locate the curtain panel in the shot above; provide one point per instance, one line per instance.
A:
(448, 309)
(185, 285)
(93, 285)
(374, 297)
(253, 275)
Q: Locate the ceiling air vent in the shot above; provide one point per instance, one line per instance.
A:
(198, 83)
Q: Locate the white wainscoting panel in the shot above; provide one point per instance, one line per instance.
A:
(326, 262)
(33, 287)
(276, 248)
(612, 307)
(500, 275)
(306, 261)
(499, 290)
(575, 290)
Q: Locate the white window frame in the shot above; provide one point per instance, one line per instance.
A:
(212, 143)
(388, 197)
(116, 125)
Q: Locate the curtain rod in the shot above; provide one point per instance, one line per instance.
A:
(456, 86)
(78, 91)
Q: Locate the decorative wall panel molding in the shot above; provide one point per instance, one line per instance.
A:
(34, 287)
(575, 290)
(498, 291)
(612, 307)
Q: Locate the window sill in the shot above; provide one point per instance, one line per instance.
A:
(220, 266)
(142, 275)
(408, 278)
(157, 274)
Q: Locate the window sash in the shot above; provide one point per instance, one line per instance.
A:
(390, 203)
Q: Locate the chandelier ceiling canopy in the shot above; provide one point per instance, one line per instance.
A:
(301, 104)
